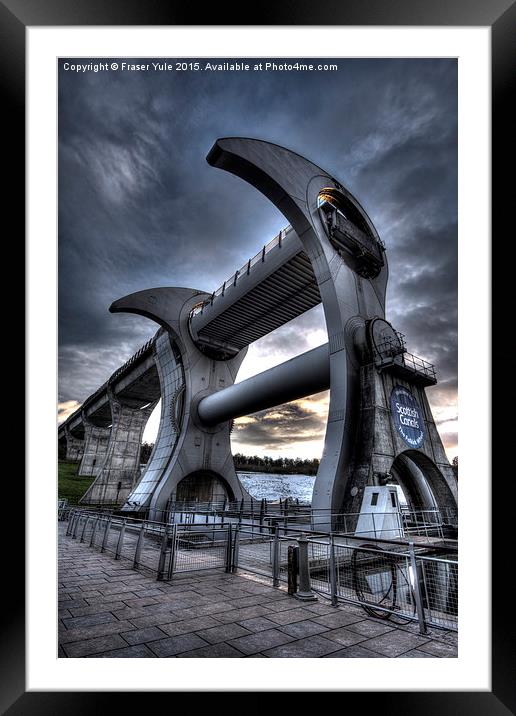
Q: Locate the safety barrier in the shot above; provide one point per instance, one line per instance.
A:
(162, 549)
(388, 579)
(289, 514)
(387, 582)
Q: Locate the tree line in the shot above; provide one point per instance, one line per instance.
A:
(254, 463)
(281, 465)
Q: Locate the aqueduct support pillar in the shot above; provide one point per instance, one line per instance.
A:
(120, 470)
(74, 446)
(96, 439)
(185, 447)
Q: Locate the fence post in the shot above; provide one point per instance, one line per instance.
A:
(138, 550)
(333, 574)
(76, 526)
(236, 543)
(83, 533)
(162, 554)
(70, 523)
(70, 517)
(93, 531)
(228, 548)
(304, 592)
(416, 589)
(292, 567)
(106, 532)
(275, 556)
(172, 558)
(120, 542)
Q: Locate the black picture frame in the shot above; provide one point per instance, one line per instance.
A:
(500, 16)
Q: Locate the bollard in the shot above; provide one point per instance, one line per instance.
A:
(416, 589)
(304, 593)
(120, 542)
(137, 551)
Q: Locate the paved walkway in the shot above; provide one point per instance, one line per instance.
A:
(106, 609)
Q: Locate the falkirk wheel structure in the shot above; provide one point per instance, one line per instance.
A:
(380, 427)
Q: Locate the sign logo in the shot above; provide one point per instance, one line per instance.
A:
(407, 417)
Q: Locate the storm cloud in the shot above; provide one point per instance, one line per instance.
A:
(139, 207)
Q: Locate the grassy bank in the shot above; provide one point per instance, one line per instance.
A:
(70, 486)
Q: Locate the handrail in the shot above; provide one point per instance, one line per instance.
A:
(245, 269)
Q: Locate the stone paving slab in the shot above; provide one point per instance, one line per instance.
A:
(345, 637)
(108, 610)
(140, 651)
(354, 652)
(369, 628)
(261, 641)
(394, 643)
(258, 624)
(173, 645)
(310, 647)
(189, 625)
(301, 629)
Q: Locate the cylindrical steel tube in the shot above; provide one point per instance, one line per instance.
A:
(304, 375)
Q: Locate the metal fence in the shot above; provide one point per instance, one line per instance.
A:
(389, 579)
(162, 549)
(402, 523)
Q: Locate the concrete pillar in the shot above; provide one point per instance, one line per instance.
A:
(190, 459)
(424, 473)
(74, 446)
(96, 441)
(121, 467)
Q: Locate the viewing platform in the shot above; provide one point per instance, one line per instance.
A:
(126, 591)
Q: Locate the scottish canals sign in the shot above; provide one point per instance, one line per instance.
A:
(407, 417)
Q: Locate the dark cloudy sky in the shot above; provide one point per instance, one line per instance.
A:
(139, 207)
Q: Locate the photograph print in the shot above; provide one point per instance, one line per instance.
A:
(258, 406)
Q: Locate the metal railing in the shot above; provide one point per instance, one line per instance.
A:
(393, 351)
(388, 583)
(146, 348)
(388, 579)
(243, 271)
(163, 549)
(401, 524)
(418, 365)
